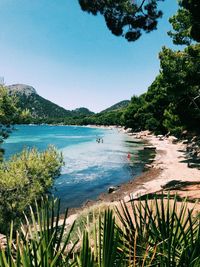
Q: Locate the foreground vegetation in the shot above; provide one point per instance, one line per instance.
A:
(24, 178)
(160, 232)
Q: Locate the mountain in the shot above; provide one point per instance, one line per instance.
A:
(120, 105)
(83, 111)
(21, 89)
(110, 116)
(44, 111)
(41, 108)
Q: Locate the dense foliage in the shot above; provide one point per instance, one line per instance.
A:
(172, 102)
(129, 19)
(24, 178)
(160, 232)
(116, 107)
(124, 17)
(186, 23)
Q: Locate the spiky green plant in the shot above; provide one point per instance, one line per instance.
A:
(158, 232)
(40, 241)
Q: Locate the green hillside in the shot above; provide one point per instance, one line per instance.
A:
(119, 105)
(42, 110)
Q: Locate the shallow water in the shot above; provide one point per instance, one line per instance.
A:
(90, 167)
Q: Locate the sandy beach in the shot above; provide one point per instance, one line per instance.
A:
(172, 164)
(168, 172)
(169, 167)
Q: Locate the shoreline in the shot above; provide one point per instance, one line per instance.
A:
(169, 171)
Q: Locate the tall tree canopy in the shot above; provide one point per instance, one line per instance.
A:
(127, 18)
(130, 18)
(186, 23)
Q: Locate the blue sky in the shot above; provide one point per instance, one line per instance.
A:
(71, 58)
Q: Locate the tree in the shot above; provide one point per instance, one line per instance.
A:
(9, 114)
(24, 178)
(130, 18)
(172, 121)
(124, 17)
(186, 23)
(181, 23)
(130, 116)
(193, 6)
(181, 76)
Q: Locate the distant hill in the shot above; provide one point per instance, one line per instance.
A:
(44, 111)
(110, 116)
(83, 111)
(41, 108)
(119, 105)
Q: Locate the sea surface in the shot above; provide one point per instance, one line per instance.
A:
(90, 167)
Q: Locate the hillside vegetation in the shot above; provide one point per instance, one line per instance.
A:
(120, 105)
(40, 109)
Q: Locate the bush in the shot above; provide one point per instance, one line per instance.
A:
(25, 177)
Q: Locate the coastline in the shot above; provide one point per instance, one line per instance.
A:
(169, 165)
(169, 171)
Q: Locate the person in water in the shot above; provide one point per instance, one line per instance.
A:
(129, 156)
(99, 140)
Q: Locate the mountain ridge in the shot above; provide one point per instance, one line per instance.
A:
(40, 106)
(117, 106)
(45, 111)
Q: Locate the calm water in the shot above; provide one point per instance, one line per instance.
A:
(90, 168)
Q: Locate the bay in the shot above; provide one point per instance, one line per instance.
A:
(90, 167)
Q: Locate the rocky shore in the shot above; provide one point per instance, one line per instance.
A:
(193, 151)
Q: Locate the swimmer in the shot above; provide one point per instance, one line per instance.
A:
(129, 156)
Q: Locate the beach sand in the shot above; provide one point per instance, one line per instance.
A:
(172, 162)
(169, 167)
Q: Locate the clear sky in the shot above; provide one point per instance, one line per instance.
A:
(71, 58)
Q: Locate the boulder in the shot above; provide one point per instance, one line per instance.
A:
(148, 166)
(194, 139)
(185, 132)
(112, 189)
(173, 139)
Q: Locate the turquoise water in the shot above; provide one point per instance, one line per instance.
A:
(90, 167)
